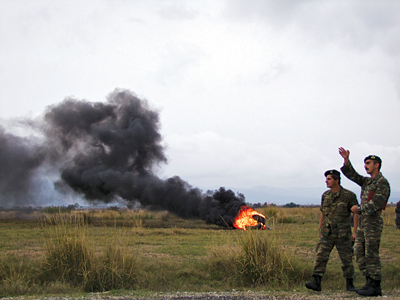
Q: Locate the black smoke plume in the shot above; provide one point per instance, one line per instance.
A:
(105, 152)
(19, 160)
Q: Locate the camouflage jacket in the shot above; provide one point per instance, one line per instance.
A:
(375, 191)
(336, 208)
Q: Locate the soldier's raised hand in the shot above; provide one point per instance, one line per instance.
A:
(345, 154)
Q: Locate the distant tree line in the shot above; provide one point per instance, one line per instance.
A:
(258, 205)
(291, 205)
(45, 209)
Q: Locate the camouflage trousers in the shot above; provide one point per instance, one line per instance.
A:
(324, 249)
(366, 249)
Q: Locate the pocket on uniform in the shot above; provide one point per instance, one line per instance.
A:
(325, 229)
(342, 209)
(344, 234)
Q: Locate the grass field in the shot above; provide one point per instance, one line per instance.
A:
(79, 252)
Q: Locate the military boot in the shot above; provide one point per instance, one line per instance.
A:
(368, 280)
(349, 285)
(315, 284)
(374, 289)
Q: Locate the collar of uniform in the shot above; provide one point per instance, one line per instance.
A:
(337, 194)
(377, 177)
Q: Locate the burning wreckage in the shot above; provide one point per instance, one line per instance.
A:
(106, 152)
(249, 218)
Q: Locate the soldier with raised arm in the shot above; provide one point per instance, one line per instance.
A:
(375, 192)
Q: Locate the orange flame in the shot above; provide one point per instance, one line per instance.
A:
(245, 218)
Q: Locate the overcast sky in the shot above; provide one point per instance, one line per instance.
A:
(249, 93)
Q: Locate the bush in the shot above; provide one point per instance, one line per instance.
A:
(70, 259)
(258, 260)
(16, 275)
(262, 260)
(116, 269)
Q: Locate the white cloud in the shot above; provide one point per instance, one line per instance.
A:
(249, 92)
(207, 159)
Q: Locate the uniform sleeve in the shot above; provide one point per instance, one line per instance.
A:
(350, 173)
(379, 199)
(322, 201)
(353, 200)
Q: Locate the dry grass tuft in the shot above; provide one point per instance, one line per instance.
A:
(71, 259)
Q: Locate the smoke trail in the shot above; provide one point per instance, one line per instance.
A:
(107, 152)
(105, 143)
(19, 160)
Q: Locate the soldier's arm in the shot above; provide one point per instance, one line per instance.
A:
(355, 221)
(354, 203)
(379, 199)
(321, 219)
(348, 170)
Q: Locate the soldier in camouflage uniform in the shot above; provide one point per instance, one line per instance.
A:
(375, 192)
(335, 230)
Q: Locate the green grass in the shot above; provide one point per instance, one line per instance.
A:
(127, 251)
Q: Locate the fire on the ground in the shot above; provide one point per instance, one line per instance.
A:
(249, 218)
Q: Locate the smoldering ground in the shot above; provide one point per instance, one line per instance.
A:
(103, 152)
